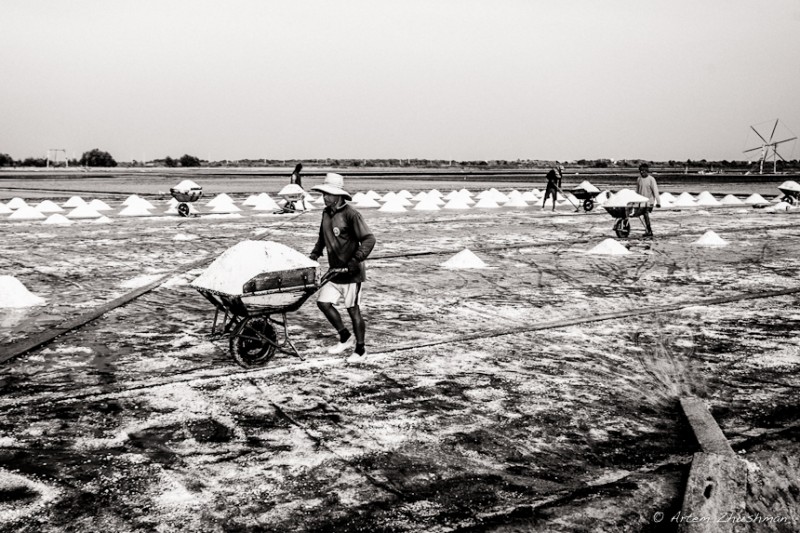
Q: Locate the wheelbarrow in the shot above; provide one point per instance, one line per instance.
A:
(185, 197)
(586, 197)
(291, 194)
(791, 192)
(249, 319)
(623, 214)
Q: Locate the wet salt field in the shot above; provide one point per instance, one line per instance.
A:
(484, 403)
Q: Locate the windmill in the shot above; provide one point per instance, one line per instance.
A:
(769, 148)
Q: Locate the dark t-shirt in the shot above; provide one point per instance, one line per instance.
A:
(344, 235)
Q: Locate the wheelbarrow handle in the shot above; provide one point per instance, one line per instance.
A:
(330, 274)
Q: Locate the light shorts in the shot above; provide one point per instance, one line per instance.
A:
(331, 292)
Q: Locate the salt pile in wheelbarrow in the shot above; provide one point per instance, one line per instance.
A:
(238, 265)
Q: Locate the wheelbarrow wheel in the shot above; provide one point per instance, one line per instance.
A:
(788, 199)
(588, 205)
(253, 342)
(623, 227)
(183, 209)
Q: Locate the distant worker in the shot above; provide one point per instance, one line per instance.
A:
(553, 186)
(646, 186)
(347, 239)
(296, 178)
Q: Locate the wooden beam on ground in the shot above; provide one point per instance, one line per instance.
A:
(717, 484)
(715, 492)
(708, 433)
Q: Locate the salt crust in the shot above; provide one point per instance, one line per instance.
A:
(13, 294)
(464, 259)
(623, 197)
(10, 482)
(710, 238)
(247, 259)
(609, 247)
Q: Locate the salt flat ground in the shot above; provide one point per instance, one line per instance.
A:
(474, 410)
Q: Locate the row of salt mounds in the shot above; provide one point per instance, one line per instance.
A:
(244, 261)
(609, 247)
(463, 260)
(623, 197)
(13, 294)
(710, 238)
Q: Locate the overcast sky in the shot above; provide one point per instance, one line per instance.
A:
(438, 79)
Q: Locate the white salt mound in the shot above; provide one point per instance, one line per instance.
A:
(623, 197)
(486, 202)
(186, 185)
(706, 198)
(101, 220)
(74, 201)
(394, 205)
(609, 247)
(731, 200)
(16, 203)
(13, 294)
(26, 213)
(710, 238)
(456, 202)
(755, 199)
(57, 218)
(366, 201)
(291, 190)
(247, 259)
(5, 210)
(99, 205)
(588, 187)
(780, 206)
(135, 210)
(220, 199)
(48, 206)
(464, 259)
(790, 186)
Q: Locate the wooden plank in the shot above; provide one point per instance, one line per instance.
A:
(715, 491)
(708, 433)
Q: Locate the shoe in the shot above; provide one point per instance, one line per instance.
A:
(343, 346)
